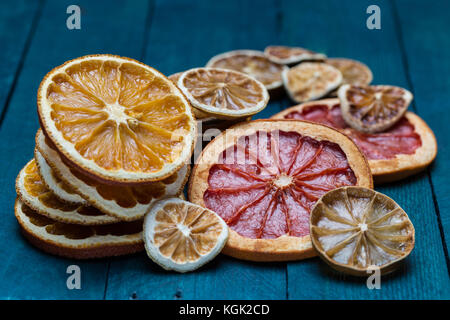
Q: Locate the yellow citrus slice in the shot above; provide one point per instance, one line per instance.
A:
(124, 202)
(253, 63)
(182, 236)
(34, 193)
(291, 55)
(76, 241)
(353, 72)
(116, 119)
(356, 229)
(311, 81)
(223, 93)
(373, 109)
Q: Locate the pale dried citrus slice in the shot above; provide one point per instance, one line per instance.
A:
(311, 80)
(35, 194)
(182, 236)
(116, 119)
(353, 72)
(373, 109)
(253, 63)
(76, 241)
(357, 229)
(291, 55)
(405, 149)
(223, 93)
(263, 177)
(124, 202)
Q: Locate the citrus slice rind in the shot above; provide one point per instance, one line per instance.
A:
(372, 109)
(56, 185)
(253, 63)
(35, 194)
(353, 72)
(291, 55)
(123, 202)
(116, 119)
(182, 236)
(223, 93)
(385, 168)
(75, 241)
(310, 81)
(356, 229)
(266, 199)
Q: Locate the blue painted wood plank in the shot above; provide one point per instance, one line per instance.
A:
(106, 27)
(339, 29)
(185, 34)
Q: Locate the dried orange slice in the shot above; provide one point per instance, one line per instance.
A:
(223, 93)
(353, 72)
(76, 241)
(291, 55)
(357, 229)
(311, 80)
(116, 119)
(182, 236)
(373, 109)
(253, 63)
(263, 177)
(123, 202)
(34, 193)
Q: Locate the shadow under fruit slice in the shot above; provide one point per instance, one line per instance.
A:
(371, 109)
(356, 229)
(291, 55)
(116, 119)
(77, 241)
(264, 176)
(182, 236)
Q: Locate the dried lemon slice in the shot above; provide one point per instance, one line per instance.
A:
(291, 55)
(34, 193)
(182, 236)
(116, 119)
(355, 229)
(223, 93)
(373, 109)
(353, 72)
(253, 63)
(311, 80)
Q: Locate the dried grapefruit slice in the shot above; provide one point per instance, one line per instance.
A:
(356, 229)
(123, 202)
(311, 80)
(34, 193)
(291, 55)
(116, 119)
(373, 109)
(405, 149)
(264, 176)
(75, 241)
(182, 236)
(223, 93)
(253, 63)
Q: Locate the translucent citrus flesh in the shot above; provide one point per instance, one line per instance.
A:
(264, 191)
(261, 68)
(223, 90)
(352, 71)
(72, 231)
(283, 52)
(399, 139)
(121, 116)
(184, 233)
(360, 230)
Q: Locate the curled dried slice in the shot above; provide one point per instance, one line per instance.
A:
(123, 202)
(373, 109)
(253, 63)
(356, 229)
(291, 55)
(311, 80)
(182, 236)
(76, 241)
(35, 194)
(223, 93)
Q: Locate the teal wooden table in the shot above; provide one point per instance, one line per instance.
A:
(412, 50)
